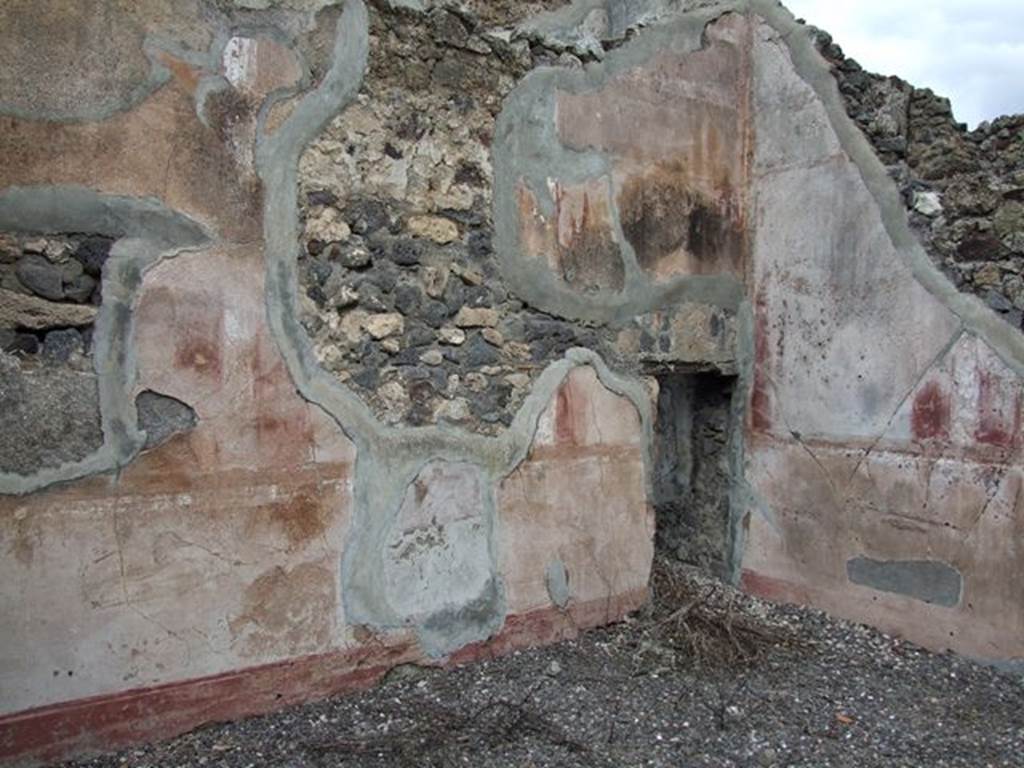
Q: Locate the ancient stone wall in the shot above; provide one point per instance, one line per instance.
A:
(404, 297)
(220, 521)
(343, 335)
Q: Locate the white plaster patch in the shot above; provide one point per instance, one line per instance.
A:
(437, 553)
(239, 60)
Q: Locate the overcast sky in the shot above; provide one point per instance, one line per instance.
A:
(971, 51)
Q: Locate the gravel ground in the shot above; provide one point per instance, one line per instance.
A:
(704, 677)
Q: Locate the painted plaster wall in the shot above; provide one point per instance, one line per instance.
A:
(880, 472)
(881, 468)
(291, 544)
(884, 424)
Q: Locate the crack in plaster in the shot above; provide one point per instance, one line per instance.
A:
(128, 602)
(936, 361)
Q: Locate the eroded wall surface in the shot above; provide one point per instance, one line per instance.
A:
(333, 334)
(202, 519)
(884, 423)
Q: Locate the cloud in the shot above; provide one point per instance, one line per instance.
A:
(971, 52)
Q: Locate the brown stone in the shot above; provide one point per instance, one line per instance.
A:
(436, 228)
(383, 325)
(31, 312)
(452, 336)
(434, 280)
(327, 226)
(468, 275)
(477, 317)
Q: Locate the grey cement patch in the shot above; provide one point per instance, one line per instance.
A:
(49, 416)
(741, 495)
(71, 208)
(456, 626)
(161, 417)
(556, 579)
(438, 555)
(926, 580)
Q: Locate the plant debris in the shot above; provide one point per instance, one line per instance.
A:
(704, 677)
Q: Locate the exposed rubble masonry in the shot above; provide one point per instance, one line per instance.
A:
(339, 335)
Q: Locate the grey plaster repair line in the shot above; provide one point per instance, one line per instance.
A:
(573, 26)
(389, 458)
(527, 150)
(284, 94)
(634, 275)
(147, 233)
(741, 494)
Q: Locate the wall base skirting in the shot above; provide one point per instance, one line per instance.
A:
(114, 721)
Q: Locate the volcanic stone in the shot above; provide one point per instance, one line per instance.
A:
(41, 277)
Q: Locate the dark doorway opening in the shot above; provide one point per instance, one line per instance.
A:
(694, 446)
